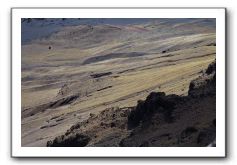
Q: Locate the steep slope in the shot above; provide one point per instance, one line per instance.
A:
(84, 66)
(160, 120)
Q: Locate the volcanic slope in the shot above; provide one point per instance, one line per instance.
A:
(85, 69)
(160, 120)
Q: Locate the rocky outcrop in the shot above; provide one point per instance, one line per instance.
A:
(155, 102)
(205, 84)
(174, 120)
(104, 129)
(75, 140)
(159, 120)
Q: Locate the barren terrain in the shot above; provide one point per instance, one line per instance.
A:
(79, 70)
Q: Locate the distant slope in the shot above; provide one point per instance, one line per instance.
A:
(39, 28)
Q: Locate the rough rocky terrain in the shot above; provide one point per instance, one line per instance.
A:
(160, 120)
(76, 72)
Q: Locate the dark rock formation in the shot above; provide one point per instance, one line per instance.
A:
(191, 119)
(75, 140)
(159, 120)
(106, 128)
(155, 102)
(205, 84)
(211, 68)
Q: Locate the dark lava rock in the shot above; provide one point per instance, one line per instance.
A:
(205, 84)
(211, 68)
(155, 102)
(188, 131)
(205, 137)
(76, 140)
